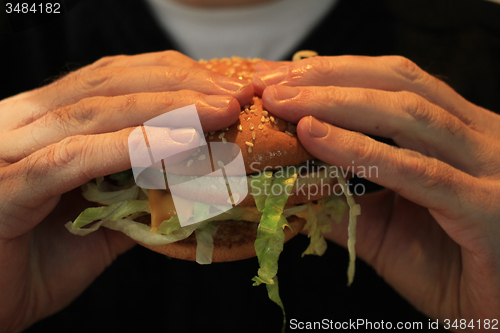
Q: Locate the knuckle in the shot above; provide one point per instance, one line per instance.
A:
(85, 111)
(106, 61)
(336, 96)
(415, 106)
(405, 68)
(363, 149)
(96, 79)
(165, 99)
(433, 117)
(170, 54)
(65, 152)
(426, 171)
(76, 116)
(178, 75)
(318, 65)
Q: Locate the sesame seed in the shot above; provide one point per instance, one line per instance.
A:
(249, 144)
(253, 107)
(251, 127)
(201, 158)
(222, 135)
(220, 164)
(249, 149)
(272, 119)
(265, 113)
(253, 135)
(261, 126)
(240, 128)
(263, 119)
(224, 140)
(286, 132)
(242, 112)
(266, 120)
(247, 111)
(276, 121)
(227, 128)
(190, 162)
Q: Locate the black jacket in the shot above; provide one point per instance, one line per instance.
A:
(457, 40)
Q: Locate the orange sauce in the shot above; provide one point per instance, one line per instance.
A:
(162, 208)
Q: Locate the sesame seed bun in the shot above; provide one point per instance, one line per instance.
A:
(266, 143)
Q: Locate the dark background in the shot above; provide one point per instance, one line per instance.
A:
(456, 40)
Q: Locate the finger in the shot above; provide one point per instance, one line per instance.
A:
(426, 181)
(78, 159)
(266, 65)
(391, 73)
(406, 118)
(164, 58)
(44, 175)
(108, 114)
(115, 81)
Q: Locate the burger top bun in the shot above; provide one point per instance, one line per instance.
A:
(265, 140)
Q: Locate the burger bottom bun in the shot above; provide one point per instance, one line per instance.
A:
(233, 241)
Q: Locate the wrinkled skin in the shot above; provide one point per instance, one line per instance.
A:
(58, 137)
(434, 232)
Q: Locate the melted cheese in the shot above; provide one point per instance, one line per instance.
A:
(162, 208)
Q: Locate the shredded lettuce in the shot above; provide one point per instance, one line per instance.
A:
(319, 222)
(271, 237)
(259, 186)
(270, 212)
(354, 211)
(118, 217)
(112, 212)
(92, 193)
(205, 242)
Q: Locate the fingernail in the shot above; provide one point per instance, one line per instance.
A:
(274, 76)
(219, 102)
(183, 135)
(284, 92)
(317, 129)
(230, 84)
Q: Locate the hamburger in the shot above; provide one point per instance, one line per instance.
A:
(288, 191)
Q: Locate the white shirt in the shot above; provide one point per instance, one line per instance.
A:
(268, 31)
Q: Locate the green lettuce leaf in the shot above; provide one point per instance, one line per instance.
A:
(259, 187)
(354, 211)
(319, 221)
(112, 212)
(271, 237)
(118, 217)
(92, 193)
(205, 242)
